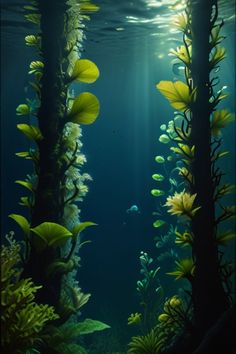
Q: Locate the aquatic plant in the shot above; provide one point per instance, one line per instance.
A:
(134, 318)
(220, 119)
(52, 235)
(150, 343)
(176, 316)
(165, 243)
(184, 239)
(56, 156)
(150, 291)
(196, 101)
(151, 299)
(65, 338)
(178, 94)
(181, 204)
(174, 319)
(22, 319)
(72, 299)
(184, 270)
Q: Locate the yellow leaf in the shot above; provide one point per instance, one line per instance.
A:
(85, 71)
(87, 7)
(182, 54)
(85, 109)
(26, 184)
(216, 37)
(32, 40)
(36, 66)
(24, 154)
(220, 120)
(184, 150)
(177, 93)
(218, 55)
(181, 21)
(30, 131)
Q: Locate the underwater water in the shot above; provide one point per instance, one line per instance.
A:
(129, 41)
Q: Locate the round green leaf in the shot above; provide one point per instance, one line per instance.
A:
(159, 159)
(157, 192)
(85, 71)
(158, 177)
(85, 109)
(158, 223)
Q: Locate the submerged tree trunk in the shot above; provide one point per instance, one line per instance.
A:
(48, 197)
(209, 297)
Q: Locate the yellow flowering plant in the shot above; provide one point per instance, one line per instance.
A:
(182, 204)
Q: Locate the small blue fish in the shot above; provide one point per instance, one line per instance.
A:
(133, 210)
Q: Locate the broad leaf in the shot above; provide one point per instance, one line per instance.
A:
(177, 93)
(22, 222)
(85, 109)
(30, 131)
(80, 227)
(51, 234)
(90, 326)
(85, 71)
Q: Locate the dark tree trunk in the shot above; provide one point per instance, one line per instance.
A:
(48, 197)
(209, 297)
